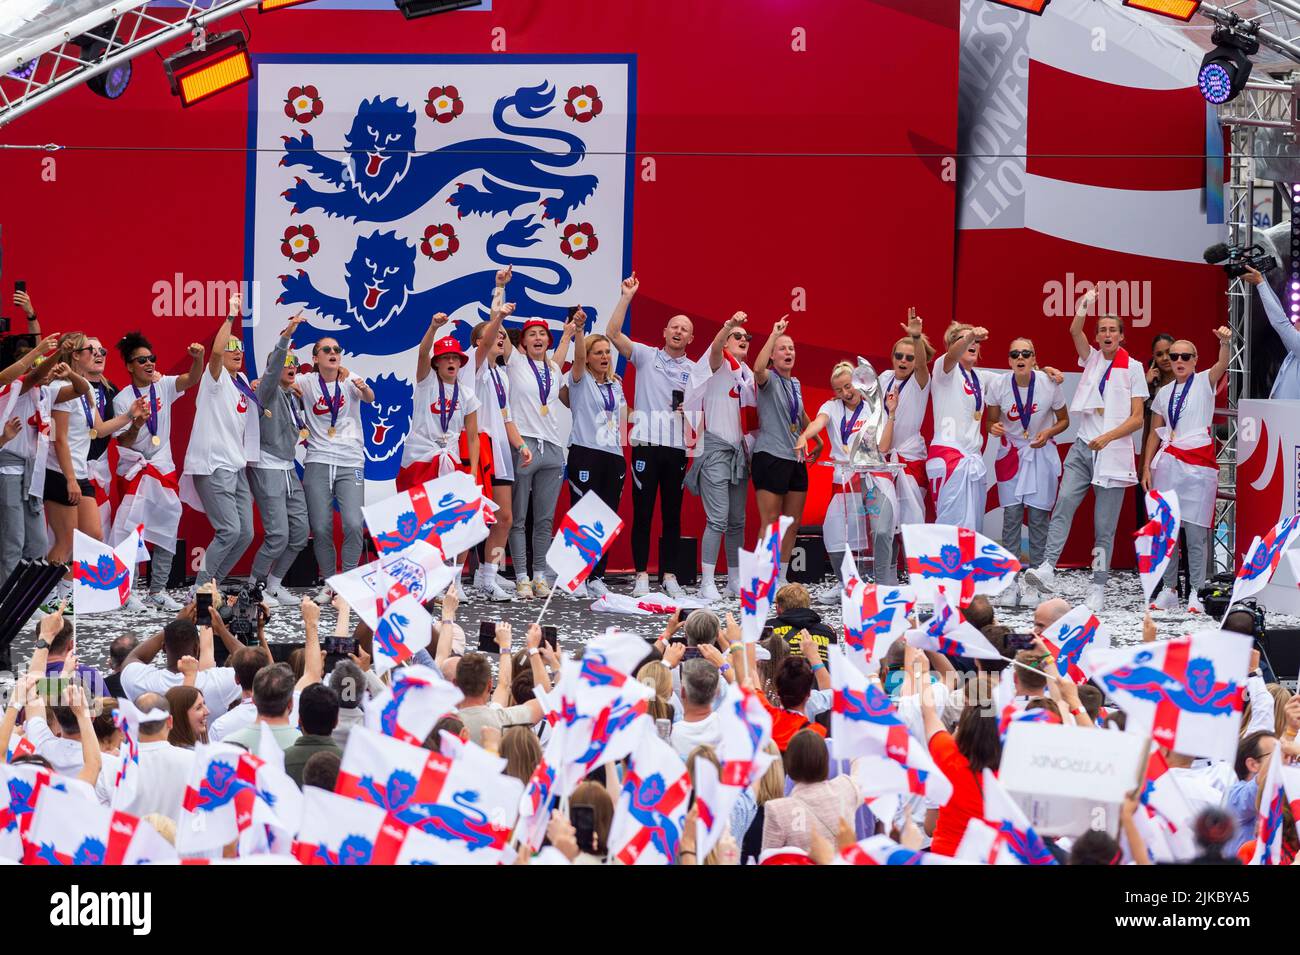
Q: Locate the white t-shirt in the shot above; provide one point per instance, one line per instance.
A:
(33, 409)
(347, 448)
(231, 721)
(77, 407)
(432, 404)
(217, 684)
(722, 406)
(226, 434)
(1197, 409)
(164, 774)
(956, 424)
(596, 408)
(1092, 424)
(908, 442)
(165, 394)
(64, 754)
(492, 388)
(688, 735)
(526, 398)
(840, 416)
(1048, 398)
(658, 375)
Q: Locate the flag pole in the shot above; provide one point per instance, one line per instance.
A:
(547, 603)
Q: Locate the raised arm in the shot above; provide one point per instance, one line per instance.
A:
(223, 337)
(75, 699)
(1081, 343)
(920, 347)
(222, 632)
(561, 351)
(967, 338)
(500, 311)
(765, 353)
(24, 301)
(313, 661)
(579, 345)
(78, 388)
(23, 365)
(720, 339)
(1220, 367)
(191, 377)
(424, 359)
(359, 384)
(505, 666)
(614, 330)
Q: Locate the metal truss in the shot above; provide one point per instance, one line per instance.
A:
(40, 77)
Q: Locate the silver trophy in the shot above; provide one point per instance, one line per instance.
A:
(864, 449)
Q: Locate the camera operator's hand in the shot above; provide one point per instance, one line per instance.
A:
(360, 658)
(1253, 276)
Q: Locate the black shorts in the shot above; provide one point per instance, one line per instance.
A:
(777, 475)
(502, 482)
(56, 488)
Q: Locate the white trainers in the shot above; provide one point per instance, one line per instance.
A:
(829, 597)
(596, 587)
(1029, 597)
(134, 604)
(1167, 600)
(708, 592)
(733, 584)
(324, 596)
(478, 583)
(1009, 598)
(1096, 598)
(1042, 577)
(672, 588)
(642, 586)
(1194, 604)
(162, 601)
(541, 588)
(524, 588)
(279, 595)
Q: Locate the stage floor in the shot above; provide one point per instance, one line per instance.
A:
(577, 623)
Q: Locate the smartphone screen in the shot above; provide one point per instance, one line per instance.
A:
(487, 636)
(552, 636)
(20, 285)
(50, 688)
(203, 609)
(584, 827)
(340, 646)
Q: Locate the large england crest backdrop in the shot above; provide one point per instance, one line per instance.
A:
(386, 189)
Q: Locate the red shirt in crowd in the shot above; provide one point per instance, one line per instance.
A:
(967, 795)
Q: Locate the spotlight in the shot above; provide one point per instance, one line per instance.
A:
(414, 9)
(265, 6)
(111, 83)
(195, 75)
(1226, 68)
(1026, 6)
(1178, 9)
(1294, 299)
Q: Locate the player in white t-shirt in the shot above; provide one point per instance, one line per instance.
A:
(1107, 405)
(1179, 457)
(225, 439)
(334, 471)
(1026, 411)
(955, 465)
(596, 465)
(145, 463)
(486, 369)
(542, 420)
(657, 435)
(909, 380)
(70, 503)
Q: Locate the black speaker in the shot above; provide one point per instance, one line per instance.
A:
(179, 576)
(808, 561)
(683, 563)
(1281, 646)
(303, 571)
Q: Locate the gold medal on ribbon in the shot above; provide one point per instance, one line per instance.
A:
(266, 412)
(331, 431)
(545, 410)
(156, 441)
(302, 433)
(93, 434)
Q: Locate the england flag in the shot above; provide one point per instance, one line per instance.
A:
(419, 568)
(585, 534)
(68, 830)
(450, 512)
(101, 575)
(760, 569)
(874, 616)
(1068, 638)
(1156, 542)
(414, 701)
(956, 559)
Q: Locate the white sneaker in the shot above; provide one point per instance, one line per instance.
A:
(1042, 577)
(324, 596)
(478, 578)
(134, 604)
(1167, 601)
(493, 590)
(733, 584)
(708, 592)
(596, 587)
(1096, 598)
(1194, 604)
(280, 596)
(524, 588)
(163, 601)
(642, 586)
(829, 597)
(1029, 597)
(1009, 598)
(672, 588)
(541, 588)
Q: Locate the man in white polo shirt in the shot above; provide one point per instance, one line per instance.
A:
(178, 639)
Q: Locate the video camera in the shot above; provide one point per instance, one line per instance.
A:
(241, 619)
(1236, 259)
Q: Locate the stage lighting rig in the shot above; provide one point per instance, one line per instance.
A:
(220, 63)
(1226, 68)
(1177, 9)
(414, 9)
(112, 82)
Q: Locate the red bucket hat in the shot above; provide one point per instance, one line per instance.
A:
(448, 346)
(536, 323)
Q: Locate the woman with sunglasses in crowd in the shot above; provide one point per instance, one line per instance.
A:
(334, 472)
(1026, 412)
(1179, 457)
(909, 380)
(69, 496)
(596, 464)
(102, 393)
(955, 466)
(491, 347)
(145, 464)
(779, 472)
(225, 439)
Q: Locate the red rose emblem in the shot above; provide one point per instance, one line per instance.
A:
(443, 104)
(582, 104)
(302, 104)
(440, 242)
(299, 243)
(579, 240)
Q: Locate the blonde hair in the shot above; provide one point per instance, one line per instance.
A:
(1022, 338)
(842, 368)
(955, 331)
(926, 348)
(659, 678)
(772, 783)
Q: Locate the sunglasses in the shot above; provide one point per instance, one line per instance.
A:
(1021, 353)
(97, 352)
(291, 361)
(330, 350)
(234, 345)
(743, 336)
(1182, 356)
(145, 359)
(903, 356)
